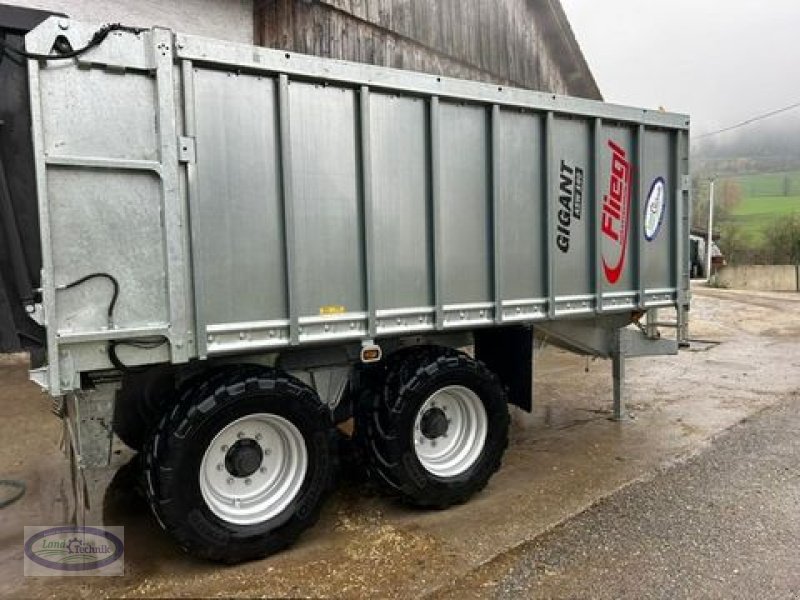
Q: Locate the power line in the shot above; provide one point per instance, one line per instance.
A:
(750, 121)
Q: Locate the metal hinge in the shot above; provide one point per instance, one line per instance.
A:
(186, 150)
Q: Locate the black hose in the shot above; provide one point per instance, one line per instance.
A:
(98, 37)
(17, 485)
(108, 276)
(33, 338)
(146, 343)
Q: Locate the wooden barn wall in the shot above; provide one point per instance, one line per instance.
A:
(525, 43)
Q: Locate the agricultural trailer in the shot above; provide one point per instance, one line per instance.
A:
(243, 248)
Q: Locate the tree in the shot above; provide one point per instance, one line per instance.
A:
(700, 188)
(782, 244)
(733, 243)
(730, 195)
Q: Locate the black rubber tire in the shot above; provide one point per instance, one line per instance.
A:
(144, 396)
(174, 453)
(385, 419)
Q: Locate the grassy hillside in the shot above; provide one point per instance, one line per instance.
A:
(764, 199)
(770, 184)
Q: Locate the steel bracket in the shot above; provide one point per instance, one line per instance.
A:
(186, 150)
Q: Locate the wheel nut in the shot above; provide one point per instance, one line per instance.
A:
(263, 470)
(230, 480)
(267, 451)
(224, 448)
(248, 481)
(219, 467)
(240, 435)
(258, 437)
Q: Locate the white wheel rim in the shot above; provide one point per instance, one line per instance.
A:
(271, 487)
(452, 453)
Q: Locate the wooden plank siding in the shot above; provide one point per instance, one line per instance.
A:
(524, 43)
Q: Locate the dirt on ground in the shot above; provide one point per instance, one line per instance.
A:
(564, 458)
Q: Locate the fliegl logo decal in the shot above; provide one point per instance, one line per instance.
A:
(616, 214)
(654, 209)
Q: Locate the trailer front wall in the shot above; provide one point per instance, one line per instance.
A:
(283, 199)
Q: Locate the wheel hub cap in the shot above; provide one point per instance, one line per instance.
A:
(433, 423)
(243, 458)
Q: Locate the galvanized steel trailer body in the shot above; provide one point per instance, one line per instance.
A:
(329, 201)
(250, 202)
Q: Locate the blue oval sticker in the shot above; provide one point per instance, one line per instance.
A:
(655, 208)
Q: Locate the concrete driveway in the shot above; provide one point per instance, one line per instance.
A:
(562, 460)
(723, 524)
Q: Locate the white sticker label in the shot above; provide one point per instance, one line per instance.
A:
(654, 209)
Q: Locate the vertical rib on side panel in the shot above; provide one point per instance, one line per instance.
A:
(548, 211)
(498, 257)
(187, 72)
(636, 237)
(287, 205)
(436, 210)
(596, 208)
(367, 198)
(685, 214)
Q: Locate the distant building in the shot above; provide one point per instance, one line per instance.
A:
(698, 240)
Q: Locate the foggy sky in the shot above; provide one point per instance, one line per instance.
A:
(720, 61)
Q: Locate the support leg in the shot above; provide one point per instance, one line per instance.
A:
(651, 327)
(683, 327)
(618, 367)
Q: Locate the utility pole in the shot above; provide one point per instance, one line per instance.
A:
(710, 238)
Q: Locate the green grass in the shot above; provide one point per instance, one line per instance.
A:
(755, 215)
(777, 206)
(764, 201)
(770, 184)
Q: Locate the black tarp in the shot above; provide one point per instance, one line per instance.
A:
(20, 253)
